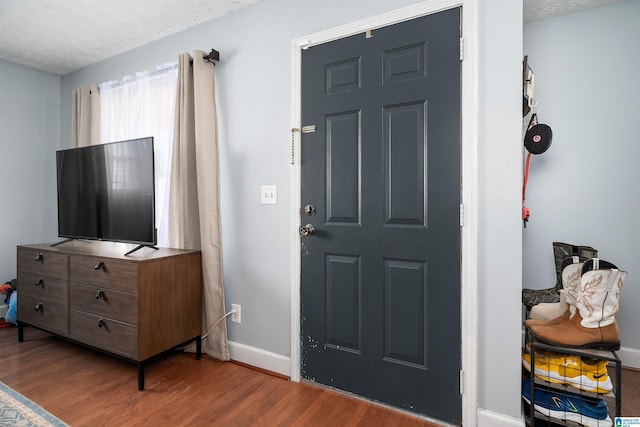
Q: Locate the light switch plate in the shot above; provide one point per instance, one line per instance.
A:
(269, 195)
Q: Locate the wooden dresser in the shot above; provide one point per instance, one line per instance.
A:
(135, 307)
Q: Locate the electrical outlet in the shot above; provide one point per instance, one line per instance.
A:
(237, 316)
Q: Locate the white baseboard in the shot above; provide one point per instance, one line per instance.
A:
(630, 357)
(281, 364)
(260, 358)
(488, 418)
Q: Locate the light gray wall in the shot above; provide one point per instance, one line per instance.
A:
(253, 90)
(499, 224)
(29, 136)
(584, 189)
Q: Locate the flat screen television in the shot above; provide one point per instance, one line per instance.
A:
(107, 192)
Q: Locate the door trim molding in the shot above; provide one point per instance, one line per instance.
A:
(469, 192)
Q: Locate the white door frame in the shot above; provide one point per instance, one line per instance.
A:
(469, 215)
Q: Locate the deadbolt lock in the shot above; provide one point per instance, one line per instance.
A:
(310, 209)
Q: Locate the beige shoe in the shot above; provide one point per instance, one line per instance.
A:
(553, 313)
(547, 311)
(558, 319)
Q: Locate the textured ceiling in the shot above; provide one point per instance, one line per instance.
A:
(535, 10)
(61, 36)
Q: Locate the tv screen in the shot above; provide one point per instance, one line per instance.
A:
(107, 192)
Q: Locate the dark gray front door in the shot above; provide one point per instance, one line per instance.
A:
(380, 285)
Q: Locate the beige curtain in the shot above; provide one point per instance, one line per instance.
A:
(194, 221)
(85, 116)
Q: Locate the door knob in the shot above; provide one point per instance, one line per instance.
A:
(307, 230)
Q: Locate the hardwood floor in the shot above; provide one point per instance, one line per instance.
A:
(630, 392)
(86, 388)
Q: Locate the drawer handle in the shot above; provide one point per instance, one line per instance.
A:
(39, 257)
(98, 266)
(100, 294)
(100, 323)
(38, 306)
(39, 282)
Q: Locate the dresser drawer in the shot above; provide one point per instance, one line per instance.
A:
(106, 273)
(43, 314)
(43, 288)
(102, 332)
(43, 263)
(104, 302)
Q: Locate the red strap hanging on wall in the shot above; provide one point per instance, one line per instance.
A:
(526, 213)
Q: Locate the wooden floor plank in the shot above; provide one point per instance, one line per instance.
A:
(84, 387)
(630, 392)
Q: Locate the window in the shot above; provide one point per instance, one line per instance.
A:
(140, 106)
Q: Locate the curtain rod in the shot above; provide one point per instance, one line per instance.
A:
(212, 56)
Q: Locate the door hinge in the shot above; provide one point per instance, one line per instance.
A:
(293, 144)
(461, 381)
(461, 48)
(461, 215)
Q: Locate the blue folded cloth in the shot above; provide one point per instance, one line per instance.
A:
(12, 313)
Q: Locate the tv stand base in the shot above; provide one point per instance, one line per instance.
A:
(140, 247)
(61, 242)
